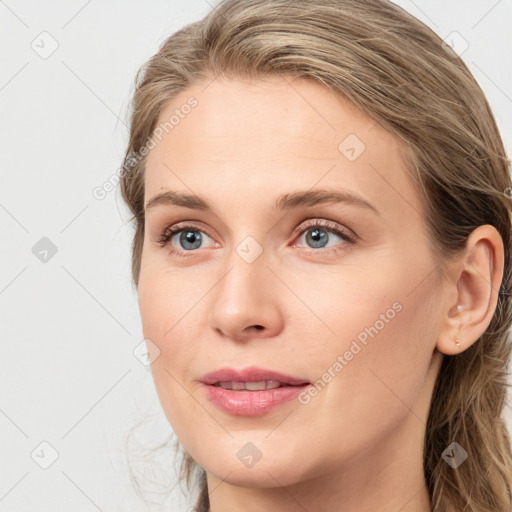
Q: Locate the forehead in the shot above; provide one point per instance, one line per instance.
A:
(270, 136)
(278, 112)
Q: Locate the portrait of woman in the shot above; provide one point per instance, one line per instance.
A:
(321, 206)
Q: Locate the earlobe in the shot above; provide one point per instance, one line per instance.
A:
(476, 283)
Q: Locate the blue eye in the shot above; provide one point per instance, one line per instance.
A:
(318, 237)
(189, 238)
(318, 234)
(192, 237)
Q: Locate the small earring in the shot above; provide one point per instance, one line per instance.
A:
(457, 341)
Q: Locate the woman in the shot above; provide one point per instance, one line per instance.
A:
(322, 258)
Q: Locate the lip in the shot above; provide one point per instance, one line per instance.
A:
(252, 373)
(250, 403)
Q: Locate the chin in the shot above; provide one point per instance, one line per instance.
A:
(276, 470)
(260, 476)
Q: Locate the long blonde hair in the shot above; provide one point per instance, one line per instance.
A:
(399, 72)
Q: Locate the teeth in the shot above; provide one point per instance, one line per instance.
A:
(256, 386)
(250, 386)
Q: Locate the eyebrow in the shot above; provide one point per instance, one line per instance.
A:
(284, 202)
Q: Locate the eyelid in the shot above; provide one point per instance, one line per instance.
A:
(328, 225)
(312, 222)
(173, 229)
(346, 234)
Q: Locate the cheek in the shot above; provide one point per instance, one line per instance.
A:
(170, 301)
(173, 315)
(385, 336)
(370, 337)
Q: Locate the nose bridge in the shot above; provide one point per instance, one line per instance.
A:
(244, 279)
(242, 299)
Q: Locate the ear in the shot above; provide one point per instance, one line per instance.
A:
(472, 291)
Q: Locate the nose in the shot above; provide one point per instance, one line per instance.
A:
(245, 301)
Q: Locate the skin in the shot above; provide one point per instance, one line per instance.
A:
(357, 445)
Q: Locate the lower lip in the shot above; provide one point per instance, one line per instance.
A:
(251, 403)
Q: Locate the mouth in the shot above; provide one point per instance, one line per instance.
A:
(252, 385)
(252, 391)
(251, 375)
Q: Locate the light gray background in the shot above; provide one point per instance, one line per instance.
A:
(68, 327)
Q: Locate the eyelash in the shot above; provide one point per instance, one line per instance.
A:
(328, 226)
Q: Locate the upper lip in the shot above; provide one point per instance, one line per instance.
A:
(250, 374)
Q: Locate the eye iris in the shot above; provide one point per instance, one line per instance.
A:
(317, 236)
(190, 237)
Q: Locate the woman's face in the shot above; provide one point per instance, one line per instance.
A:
(273, 283)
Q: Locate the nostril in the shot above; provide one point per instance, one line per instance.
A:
(259, 327)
